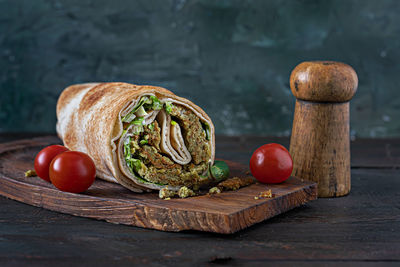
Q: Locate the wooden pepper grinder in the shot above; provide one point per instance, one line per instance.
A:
(320, 142)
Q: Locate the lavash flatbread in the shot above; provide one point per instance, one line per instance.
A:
(89, 120)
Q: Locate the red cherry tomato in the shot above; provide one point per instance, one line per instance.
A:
(271, 163)
(44, 158)
(72, 171)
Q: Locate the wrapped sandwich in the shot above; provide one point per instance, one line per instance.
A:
(142, 137)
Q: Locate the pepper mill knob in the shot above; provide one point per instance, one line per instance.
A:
(323, 81)
(320, 141)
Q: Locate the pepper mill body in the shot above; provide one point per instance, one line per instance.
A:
(320, 140)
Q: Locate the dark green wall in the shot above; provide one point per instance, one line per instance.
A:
(233, 58)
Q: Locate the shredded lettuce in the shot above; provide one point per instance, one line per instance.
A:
(153, 103)
(145, 104)
(138, 121)
(133, 164)
(136, 115)
(168, 107)
(173, 122)
(131, 115)
(156, 105)
(143, 142)
(128, 117)
(147, 100)
(141, 112)
(142, 101)
(127, 147)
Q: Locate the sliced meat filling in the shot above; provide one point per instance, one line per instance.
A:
(159, 168)
(193, 133)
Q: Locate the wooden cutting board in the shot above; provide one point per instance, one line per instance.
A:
(226, 213)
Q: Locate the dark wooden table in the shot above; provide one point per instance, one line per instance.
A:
(362, 228)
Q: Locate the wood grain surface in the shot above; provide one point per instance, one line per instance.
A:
(362, 228)
(320, 146)
(221, 213)
(320, 140)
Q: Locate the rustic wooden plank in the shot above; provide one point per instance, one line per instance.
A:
(362, 228)
(223, 213)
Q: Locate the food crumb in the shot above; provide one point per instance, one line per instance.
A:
(214, 190)
(185, 192)
(166, 193)
(30, 173)
(235, 183)
(264, 194)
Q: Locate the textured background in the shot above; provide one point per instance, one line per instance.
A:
(233, 58)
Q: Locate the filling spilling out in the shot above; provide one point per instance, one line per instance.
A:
(144, 148)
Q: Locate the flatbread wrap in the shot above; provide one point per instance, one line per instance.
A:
(142, 137)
